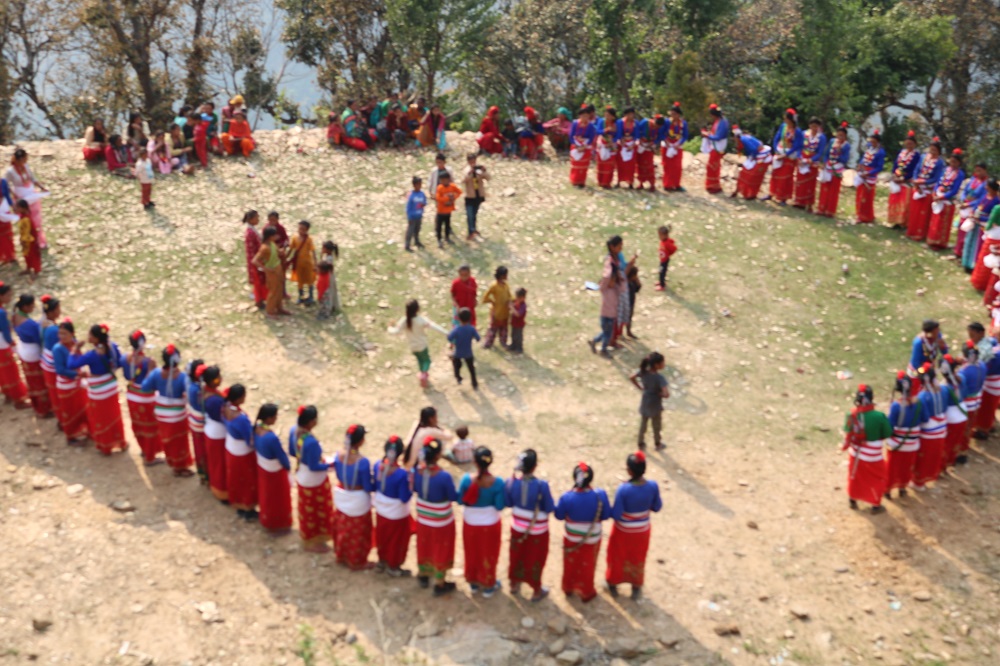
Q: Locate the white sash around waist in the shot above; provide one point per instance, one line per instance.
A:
(67, 383)
(269, 464)
(29, 352)
(520, 521)
(352, 503)
(973, 402)
(170, 410)
(214, 429)
(307, 478)
(480, 516)
(237, 447)
(390, 507)
(196, 420)
(575, 532)
(955, 415)
(48, 360)
(102, 387)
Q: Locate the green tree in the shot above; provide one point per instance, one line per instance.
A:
(617, 29)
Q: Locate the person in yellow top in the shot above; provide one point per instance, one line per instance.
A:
(499, 298)
(446, 195)
(304, 262)
(29, 242)
(271, 259)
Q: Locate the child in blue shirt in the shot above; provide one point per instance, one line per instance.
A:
(461, 337)
(415, 205)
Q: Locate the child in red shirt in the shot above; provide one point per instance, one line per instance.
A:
(518, 312)
(667, 249)
(464, 294)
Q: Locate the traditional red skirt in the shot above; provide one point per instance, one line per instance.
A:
(435, 549)
(953, 443)
(578, 168)
(579, 564)
(215, 452)
(528, 553)
(72, 409)
(104, 418)
(805, 188)
(627, 556)
(646, 167)
(986, 417)
(782, 183)
(939, 229)
(7, 251)
(673, 168)
(173, 438)
(626, 169)
(864, 203)
(316, 513)
(829, 197)
(980, 273)
(918, 217)
(970, 428)
(899, 205)
(49, 376)
(490, 143)
(352, 538)
(866, 481)
(11, 384)
(713, 172)
(241, 480)
(928, 464)
(605, 171)
(275, 497)
(482, 551)
(37, 391)
(899, 469)
(749, 181)
(140, 411)
(392, 537)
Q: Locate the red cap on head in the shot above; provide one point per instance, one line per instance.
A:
(862, 387)
(791, 112)
(677, 105)
(45, 298)
(844, 125)
(171, 349)
(352, 428)
(301, 409)
(911, 135)
(583, 467)
(713, 107)
(957, 152)
(640, 456)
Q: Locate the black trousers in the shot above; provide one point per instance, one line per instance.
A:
(663, 272)
(442, 222)
(470, 363)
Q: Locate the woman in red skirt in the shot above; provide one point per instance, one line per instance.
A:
(713, 142)
(170, 410)
(483, 499)
(212, 399)
(934, 403)
(902, 447)
(435, 492)
(584, 510)
(786, 147)
(831, 177)
(869, 167)
(274, 493)
(72, 404)
(394, 525)
(531, 503)
(955, 415)
(754, 167)
(252, 241)
(11, 385)
(645, 154)
(629, 541)
(900, 189)
(946, 194)
(866, 429)
(924, 183)
(29, 350)
(315, 504)
(671, 137)
(352, 517)
(607, 158)
(241, 463)
(104, 411)
(51, 311)
(142, 403)
(808, 167)
(196, 417)
(582, 136)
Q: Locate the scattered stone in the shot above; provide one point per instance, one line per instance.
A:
(950, 640)
(558, 626)
(752, 525)
(799, 613)
(624, 647)
(33, 444)
(509, 192)
(338, 631)
(619, 662)
(74, 490)
(727, 630)
(122, 506)
(556, 646)
(965, 630)
(824, 640)
(764, 597)
(923, 595)
(669, 642)
(41, 624)
(527, 622)
(428, 629)
(41, 482)
(570, 657)
(351, 639)
(743, 482)
(789, 634)
(209, 612)
(842, 569)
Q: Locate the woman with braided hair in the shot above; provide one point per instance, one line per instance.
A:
(584, 510)
(170, 411)
(315, 504)
(531, 503)
(72, 403)
(196, 417)
(866, 430)
(973, 377)
(629, 541)
(956, 417)
(141, 403)
(51, 311)
(934, 402)
(435, 492)
(483, 500)
(213, 400)
(274, 492)
(902, 446)
(395, 525)
(29, 350)
(98, 367)
(352, 501)
(241, 464)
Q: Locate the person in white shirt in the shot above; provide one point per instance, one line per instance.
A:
(23, 185)
(415, 327)
(440, 166)
(144, 174)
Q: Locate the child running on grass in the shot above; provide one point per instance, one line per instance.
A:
(499, 298)
(304, 262)
(667, 249)
(415, 327)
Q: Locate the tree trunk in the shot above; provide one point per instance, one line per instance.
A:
(197, 57)
(621, 71)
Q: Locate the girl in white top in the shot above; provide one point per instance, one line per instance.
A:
(144, 174)
(415, 328)
(25, 186)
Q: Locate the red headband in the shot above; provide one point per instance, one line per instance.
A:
(200, 370)
(935, 140)
(640, 456)
(844, 125)
(713, 107)
(45, 298)
(791, 111)
(957, 152)
(911, 134)
(900, 375)
(862, 388)
(583, 467)
(104, 328)
(969, 344)
(301, 409)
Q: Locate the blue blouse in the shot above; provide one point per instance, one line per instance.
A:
(492, 496)
(269, 446)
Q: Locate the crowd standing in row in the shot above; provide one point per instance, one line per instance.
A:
(182, 415)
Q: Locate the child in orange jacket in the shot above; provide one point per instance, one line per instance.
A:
(446, 196)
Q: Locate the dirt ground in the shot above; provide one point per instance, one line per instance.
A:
(755, 558)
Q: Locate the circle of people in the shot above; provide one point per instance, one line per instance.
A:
(182, 415)
(939, 403)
